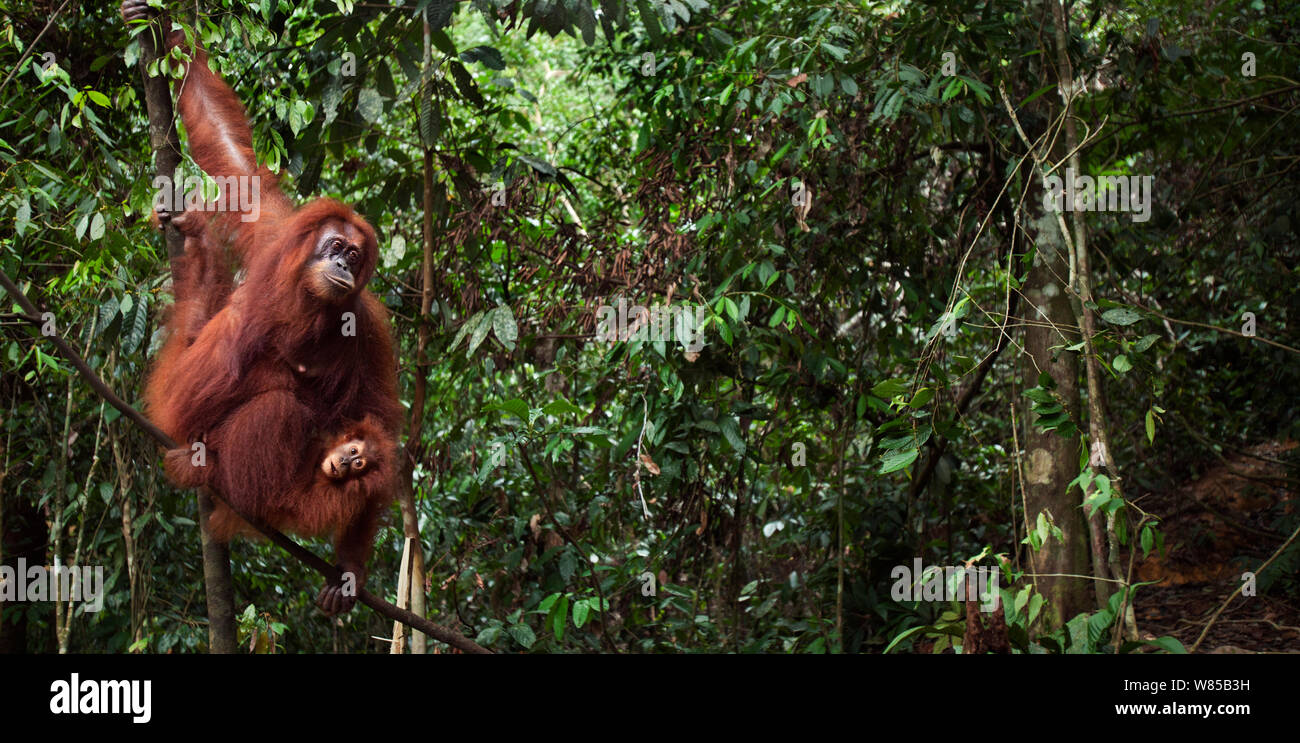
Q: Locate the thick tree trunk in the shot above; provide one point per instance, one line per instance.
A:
(1104, 547)
(1052, 460)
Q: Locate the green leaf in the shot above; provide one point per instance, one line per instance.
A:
(466, 327)
(1036, 93)
(370, 105)
(523, 634)
(503, 324)
(568, 564)
(838, 52)
(890, 388)
(480, 332)
(465, 84)
(1151, 427)
(1145, 343)
(897, 460)
(136, 326)
(1097, 625)
(1035, 605)
(23, 217)
(430, 117)
(496, 455)
(586, 22)
(651, 21)
(1168, 644)
(903, 636)
(1042, 528)
(731, 432)
(107, 314)
(724, 330)
(439, 13)
(560, 407)
(300, 114)
(951, 90)
(540, 165)
(517, 408)
(442, 42)
(1103, 485)
(588, 431)
(1039, 395)
(1121, 316)
(488, 635)
(923, 396)
(559, 617)
(580, 611)
(731, 309)
(1122, 364)
(488, 56)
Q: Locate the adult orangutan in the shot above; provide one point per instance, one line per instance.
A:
(279, 374)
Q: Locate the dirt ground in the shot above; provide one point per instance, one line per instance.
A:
(1217, 527)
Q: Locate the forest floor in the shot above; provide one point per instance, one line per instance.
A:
(1216, 528)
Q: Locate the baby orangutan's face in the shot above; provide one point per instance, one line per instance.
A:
(345, 460)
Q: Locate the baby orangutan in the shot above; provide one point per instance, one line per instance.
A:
(345, 460)
(347, 476)
(340, 491)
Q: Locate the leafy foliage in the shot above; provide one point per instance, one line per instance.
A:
(803, 174)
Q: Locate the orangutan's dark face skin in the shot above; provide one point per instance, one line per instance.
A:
(332, 269)
(345, 460)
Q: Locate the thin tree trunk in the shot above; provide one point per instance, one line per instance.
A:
(60, 504)
(167, 156)
(1099, 458)
(398, 646)
(415, 426)
(127, 506)
(65, 636)
(4, 472)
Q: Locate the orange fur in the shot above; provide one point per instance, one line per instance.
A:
(261, 372)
